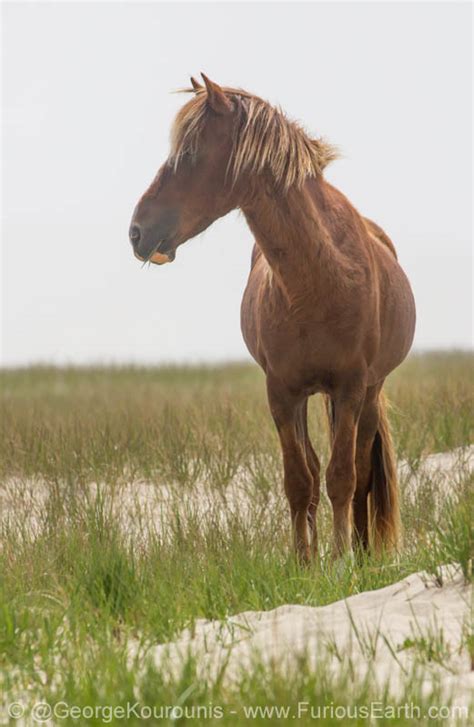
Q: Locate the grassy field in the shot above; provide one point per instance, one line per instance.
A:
(76, 589)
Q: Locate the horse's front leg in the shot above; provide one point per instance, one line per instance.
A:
(341, 471)
(286, 411)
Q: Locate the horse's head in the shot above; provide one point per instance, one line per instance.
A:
(223, 143)
(193, 187)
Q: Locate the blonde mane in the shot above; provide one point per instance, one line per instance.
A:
(264, 138)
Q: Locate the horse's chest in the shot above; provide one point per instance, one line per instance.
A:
(300, 352)
(299, 342)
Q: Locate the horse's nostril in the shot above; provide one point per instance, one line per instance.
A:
(134, 234)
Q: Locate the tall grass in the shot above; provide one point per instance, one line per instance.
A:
(186, 424)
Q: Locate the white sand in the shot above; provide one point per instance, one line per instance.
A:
(144, 508)
(444, 470)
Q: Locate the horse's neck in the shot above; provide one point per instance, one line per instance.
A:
(293, 233)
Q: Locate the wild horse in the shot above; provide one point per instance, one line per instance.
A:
(327, 308)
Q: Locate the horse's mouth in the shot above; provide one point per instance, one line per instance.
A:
(157, 257)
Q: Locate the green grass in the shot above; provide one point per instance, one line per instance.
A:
(75, 589)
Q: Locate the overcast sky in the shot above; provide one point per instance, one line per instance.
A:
(86, 115)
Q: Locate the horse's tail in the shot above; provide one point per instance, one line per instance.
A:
(384, 509)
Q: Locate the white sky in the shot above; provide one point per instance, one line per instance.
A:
(86, 116)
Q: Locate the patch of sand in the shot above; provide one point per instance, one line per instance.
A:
(144, 508)
(378, 631)
(444, 470)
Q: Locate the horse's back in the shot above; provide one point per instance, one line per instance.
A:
(380, 235)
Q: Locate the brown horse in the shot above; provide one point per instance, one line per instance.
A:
(327, 307)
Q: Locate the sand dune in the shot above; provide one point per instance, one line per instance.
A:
(380, 630)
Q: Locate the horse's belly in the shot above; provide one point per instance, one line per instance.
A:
(396, 324)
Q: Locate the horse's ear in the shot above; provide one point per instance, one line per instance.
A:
(216, 97)
(195, 84)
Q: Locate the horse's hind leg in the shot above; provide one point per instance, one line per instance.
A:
(286, 412)
(314, 467)
(341, 471)
(366, 431)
